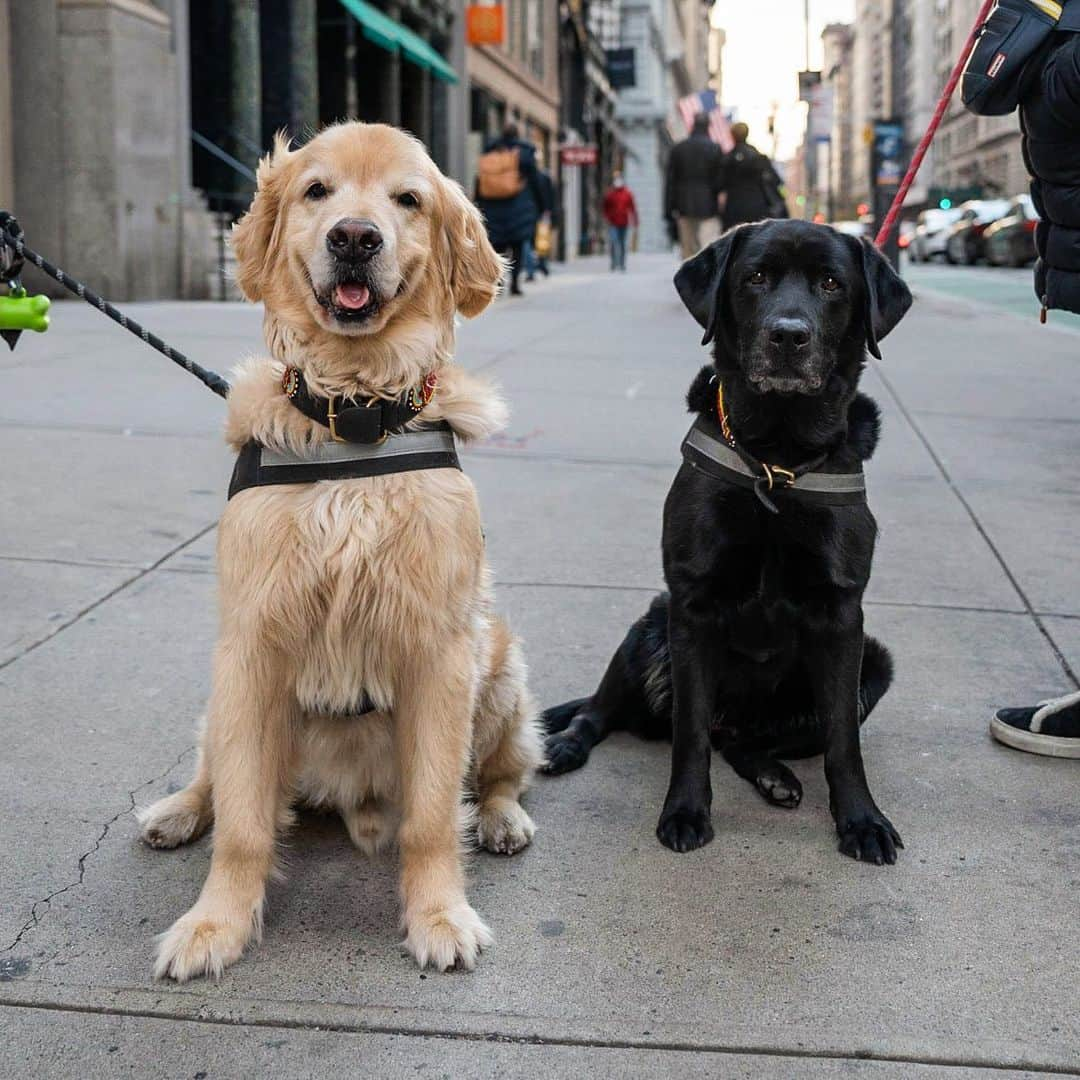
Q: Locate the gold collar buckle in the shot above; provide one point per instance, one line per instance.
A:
(787, 477)
(331, 417)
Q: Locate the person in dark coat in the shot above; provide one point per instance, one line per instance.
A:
(751, 184)
(1050, 121)
(548, 208)
(511, 222)
(693, 181)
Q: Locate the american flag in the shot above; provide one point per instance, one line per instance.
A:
(705, 102)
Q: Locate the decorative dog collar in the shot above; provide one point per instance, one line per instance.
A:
(430, 447)
(351, 420)
(712, 450)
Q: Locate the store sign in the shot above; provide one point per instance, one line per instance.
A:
(621, 68)
(581, 154)
(485, 24)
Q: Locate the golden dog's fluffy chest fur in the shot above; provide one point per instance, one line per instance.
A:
(362, 568)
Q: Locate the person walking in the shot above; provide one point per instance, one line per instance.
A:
(537, 259)
(620, 213)
(1050, 122)
(692, 185)
(751, 185)
(509, 193)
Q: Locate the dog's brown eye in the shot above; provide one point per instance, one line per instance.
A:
(316, 191)
(830, 284)
(756, 278)
(408, 200)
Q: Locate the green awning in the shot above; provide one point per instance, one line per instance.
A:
(379, 28)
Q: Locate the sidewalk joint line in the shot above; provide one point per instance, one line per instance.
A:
(716, 1049)
(980, 528)
(107, 596)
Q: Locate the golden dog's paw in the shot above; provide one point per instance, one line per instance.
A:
(450, 938)
(199, 944)
(503, 827)
(170, 822)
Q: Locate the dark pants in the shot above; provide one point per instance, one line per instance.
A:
(617, 235)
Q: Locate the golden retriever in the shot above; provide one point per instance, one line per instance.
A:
(377, 586)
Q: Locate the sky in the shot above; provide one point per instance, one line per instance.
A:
(765, 48)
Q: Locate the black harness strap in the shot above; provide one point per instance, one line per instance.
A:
(706, 449)
(430, 447)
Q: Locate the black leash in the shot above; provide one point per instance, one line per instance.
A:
(11, 235)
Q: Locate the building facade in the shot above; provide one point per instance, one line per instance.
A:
(838, 41)
(975, 154)
(516, 81)
(94, 142)
(670, 40)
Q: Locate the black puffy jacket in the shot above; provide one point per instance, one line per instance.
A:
(1050, 120)
(694, 177)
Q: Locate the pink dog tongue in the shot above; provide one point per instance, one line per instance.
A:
(352, 297)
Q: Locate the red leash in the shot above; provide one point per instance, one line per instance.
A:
(931, 130)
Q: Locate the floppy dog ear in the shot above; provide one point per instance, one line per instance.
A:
(699, 280)
(255, 234)
(887, 296)
(475, 269)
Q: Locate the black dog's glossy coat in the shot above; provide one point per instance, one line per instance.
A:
(758, 647)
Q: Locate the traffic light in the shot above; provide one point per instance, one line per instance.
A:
(945, 204)
(862, 208)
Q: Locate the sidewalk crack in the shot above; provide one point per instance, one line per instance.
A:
(40, 907)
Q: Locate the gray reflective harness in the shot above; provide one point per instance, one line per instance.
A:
(430, 447)
(705, 449)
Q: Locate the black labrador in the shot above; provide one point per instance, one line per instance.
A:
(758, 647)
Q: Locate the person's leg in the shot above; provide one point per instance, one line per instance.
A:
(529, 257)
(687, 227)
(1051, 728)
(613, 247)
(515, 268)
(622, 247)
(710, 230)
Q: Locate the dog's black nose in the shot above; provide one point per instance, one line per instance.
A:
(789, 333)
(354, 239)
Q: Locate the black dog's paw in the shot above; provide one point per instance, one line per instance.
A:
(684, 830)
(869, 836)
(563, 752)
(780, 786)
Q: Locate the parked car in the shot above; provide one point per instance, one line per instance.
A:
(907, 234)
(851, 228)
(965, 240)
(931, 232)
(1010, 241)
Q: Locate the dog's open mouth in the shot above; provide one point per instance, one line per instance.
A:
(348, 301)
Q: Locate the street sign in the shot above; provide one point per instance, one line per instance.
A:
(579, 154)
(485, 24)
(621, 68)
(888, 152)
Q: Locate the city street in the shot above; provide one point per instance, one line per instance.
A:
(765, 954)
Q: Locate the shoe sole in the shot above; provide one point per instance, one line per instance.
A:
(1048, 745)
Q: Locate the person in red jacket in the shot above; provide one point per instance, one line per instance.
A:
(620, 212)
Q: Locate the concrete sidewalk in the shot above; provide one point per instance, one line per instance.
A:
(765, 954)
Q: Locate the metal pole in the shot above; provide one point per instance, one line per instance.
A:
(806, 22)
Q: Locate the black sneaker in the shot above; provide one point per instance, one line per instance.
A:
(1051, 727)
